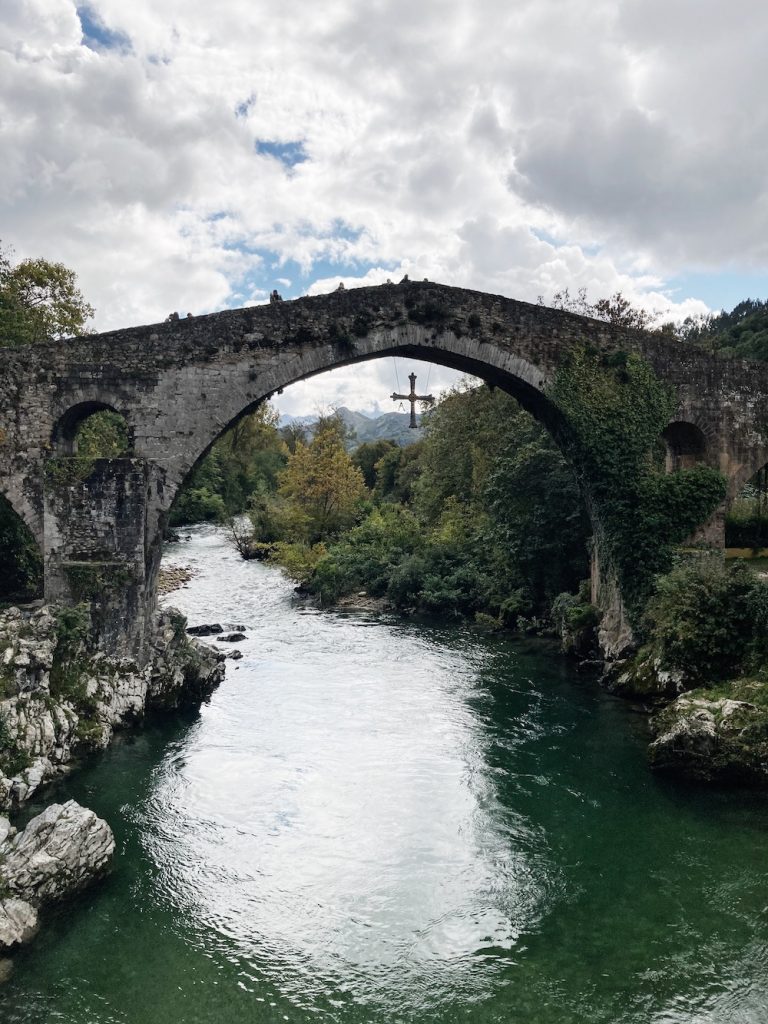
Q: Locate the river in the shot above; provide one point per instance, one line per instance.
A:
(382, 821)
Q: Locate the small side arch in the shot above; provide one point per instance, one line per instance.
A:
(686, 445)
(64, 439)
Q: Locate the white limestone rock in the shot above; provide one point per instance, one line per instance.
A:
(60, 852)
(6, 830)
(18, 922)
(713, 739)
(42, 732)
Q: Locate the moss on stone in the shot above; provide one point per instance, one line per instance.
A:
(62, 471)
(12, 758)
(88, 581)
(715, 734)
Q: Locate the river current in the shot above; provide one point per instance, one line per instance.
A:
(381, 821)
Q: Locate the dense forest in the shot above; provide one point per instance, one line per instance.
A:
(742, 333)
(482, 519)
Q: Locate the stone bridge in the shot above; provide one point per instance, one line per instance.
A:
(180, 383)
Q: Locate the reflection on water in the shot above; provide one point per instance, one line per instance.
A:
(297, 831)
(378, 821)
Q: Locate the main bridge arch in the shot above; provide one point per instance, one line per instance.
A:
(181, 383)
(246, 390)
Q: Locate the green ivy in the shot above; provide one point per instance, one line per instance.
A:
(70, 659)
(68, 470)
(89, 580)
(613, 411)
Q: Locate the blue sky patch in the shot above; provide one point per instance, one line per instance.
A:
(720, 289)
(96, 35)
(270, 271)
(288, 153)
(243, 109)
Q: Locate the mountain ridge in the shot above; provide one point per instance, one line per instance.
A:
(387, 426)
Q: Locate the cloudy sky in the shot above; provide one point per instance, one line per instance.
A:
(184, 155)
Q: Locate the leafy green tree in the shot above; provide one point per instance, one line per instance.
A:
(292, 433)
(322, 486)
(368, 455)
(528, 524)
(39, 300)
(104, 435)
(742, 333)
(397, 473)
(708, 620)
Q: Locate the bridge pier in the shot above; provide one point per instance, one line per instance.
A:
(98, 517)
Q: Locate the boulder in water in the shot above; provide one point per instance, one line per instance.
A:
(60, 851)
(209, 629)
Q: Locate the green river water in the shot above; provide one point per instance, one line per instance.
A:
(378, 821)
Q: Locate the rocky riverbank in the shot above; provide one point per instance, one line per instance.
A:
(60, 699)
(711, 734)
(171, 577)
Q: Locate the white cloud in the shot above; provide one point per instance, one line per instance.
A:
(366, 386)
(517, 148)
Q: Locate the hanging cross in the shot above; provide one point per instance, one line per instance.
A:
(413, 398)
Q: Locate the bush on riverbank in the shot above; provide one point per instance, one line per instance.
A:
(707, 620)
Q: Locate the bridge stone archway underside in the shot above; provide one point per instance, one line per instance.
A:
(180, 383)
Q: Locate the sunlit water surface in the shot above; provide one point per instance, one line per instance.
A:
(382, 821)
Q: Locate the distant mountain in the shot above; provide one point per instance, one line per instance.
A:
(390, 426)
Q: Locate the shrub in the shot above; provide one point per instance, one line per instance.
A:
(299, 560)
(746, 525)
(198, 505)
(707, 619)
(576, 621)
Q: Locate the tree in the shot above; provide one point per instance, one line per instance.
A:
(616, 309)
(103, 435)
(322, 486)
(39, 300)
(292, 434)
(525, 522)
(368, 455)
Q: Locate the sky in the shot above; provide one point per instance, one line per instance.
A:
(186, 156)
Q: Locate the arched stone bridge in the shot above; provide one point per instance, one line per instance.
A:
(180, 383)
